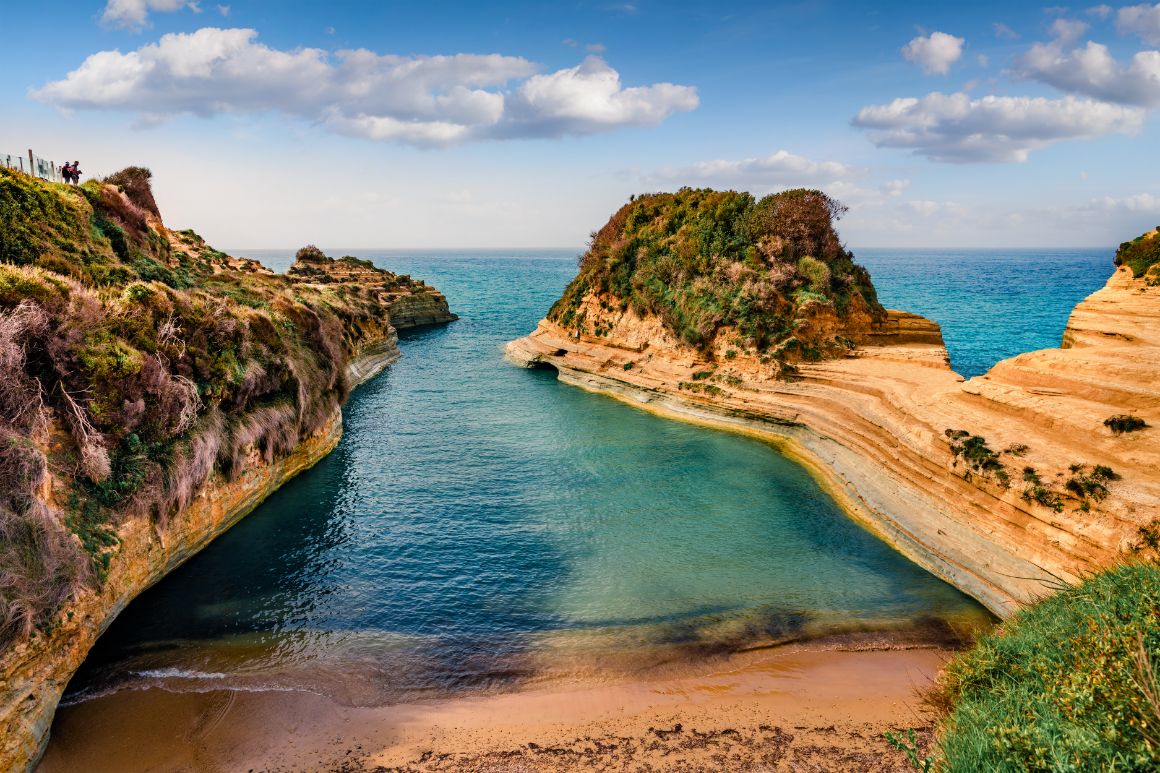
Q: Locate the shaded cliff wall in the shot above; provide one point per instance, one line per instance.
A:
(35, 673)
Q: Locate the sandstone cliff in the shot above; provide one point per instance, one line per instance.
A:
(153, 391)
(1003, 485)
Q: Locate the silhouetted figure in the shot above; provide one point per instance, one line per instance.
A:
(76, 172)
(66, 172)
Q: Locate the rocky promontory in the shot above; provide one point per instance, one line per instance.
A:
(712, 307)
(153, 391)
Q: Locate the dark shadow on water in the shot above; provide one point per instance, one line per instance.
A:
(267, 580)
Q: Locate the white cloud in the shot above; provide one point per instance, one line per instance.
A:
(893, 188)
(778, 170)
(134, 14)
(1100, 11)
(1092, 71)
(596, 48)
(224, 10)
(1067, 30)
(424, 100)
(984, 61)
(1142, 20)
(586, 99)
(1140, 203)
(956, 128)
(1003, 32)
(934, 53)
(928, 208)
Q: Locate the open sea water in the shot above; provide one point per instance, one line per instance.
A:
(482, 526)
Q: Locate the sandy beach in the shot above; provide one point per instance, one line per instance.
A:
(780, 709)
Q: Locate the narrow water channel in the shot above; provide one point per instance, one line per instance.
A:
(481, 526)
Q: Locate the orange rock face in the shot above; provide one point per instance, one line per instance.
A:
(873, 427)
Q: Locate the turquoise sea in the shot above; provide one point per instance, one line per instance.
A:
(482, 526)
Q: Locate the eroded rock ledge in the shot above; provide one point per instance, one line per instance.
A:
(873, 427)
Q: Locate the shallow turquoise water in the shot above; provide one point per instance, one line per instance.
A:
(482, 525)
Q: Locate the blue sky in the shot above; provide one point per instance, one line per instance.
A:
(391, 124)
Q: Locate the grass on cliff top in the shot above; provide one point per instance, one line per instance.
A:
(1069, 684)
(1141, 254)
(703, 260)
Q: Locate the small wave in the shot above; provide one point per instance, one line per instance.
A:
(178, 673)
(177, 680)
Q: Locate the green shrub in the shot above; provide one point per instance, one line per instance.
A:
(1121, 423)
(817, 273)
(973, 450)
(1036, 490)
(1140, 254)
(1092, 485)
(1068, 684)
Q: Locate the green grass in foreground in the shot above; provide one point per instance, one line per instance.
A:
(1065, 685)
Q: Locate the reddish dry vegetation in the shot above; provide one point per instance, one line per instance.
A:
(136, 362)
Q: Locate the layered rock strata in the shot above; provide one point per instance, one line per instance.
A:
(873, 426)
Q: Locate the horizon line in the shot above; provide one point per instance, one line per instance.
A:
(1038, 246)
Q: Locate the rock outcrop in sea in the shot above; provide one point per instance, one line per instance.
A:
(1005, 485)
(153, 391)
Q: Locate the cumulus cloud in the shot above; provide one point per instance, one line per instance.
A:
(423, 100)
(765, 173)
(586, 99)
(1094, 72)
(934, 53)
(1141, 20)
(134, 14)
(955, 128)
(1102, 11)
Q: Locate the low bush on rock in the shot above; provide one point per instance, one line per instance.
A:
(1068, 684)
(1121, 423)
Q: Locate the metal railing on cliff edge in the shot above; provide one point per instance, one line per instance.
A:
(32, 164)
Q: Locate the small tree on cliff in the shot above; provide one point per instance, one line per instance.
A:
(796, 223)
(135, 182)
(311, 254)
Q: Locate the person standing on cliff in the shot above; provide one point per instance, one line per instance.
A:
(66, 173)
(76, 172)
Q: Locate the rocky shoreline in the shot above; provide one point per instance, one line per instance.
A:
(873, 427)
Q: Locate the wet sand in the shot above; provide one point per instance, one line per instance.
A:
(781, 709)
